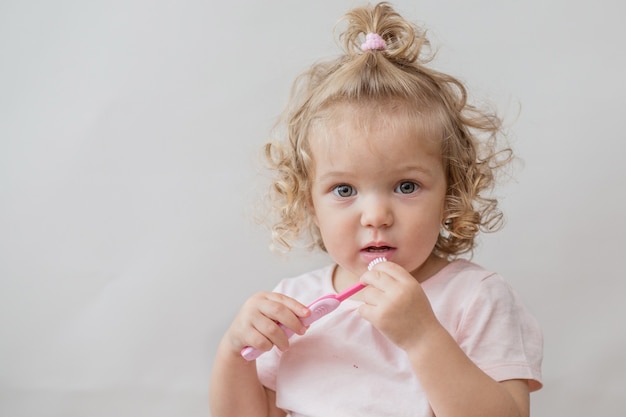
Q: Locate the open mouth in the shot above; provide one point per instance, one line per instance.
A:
(377, 249)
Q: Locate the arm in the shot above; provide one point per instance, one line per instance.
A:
(234, 379)
(456, 386)
(396, 304)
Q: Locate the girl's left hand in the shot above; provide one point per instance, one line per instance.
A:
(395, 303)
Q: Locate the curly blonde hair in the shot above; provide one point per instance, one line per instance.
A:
(398, 73)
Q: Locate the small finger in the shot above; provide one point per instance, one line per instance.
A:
(375, 278)
(259, 341)
(269, 333)
(280, 312)
(366, 311)
(294, 305)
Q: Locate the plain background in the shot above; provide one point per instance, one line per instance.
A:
(130, 136)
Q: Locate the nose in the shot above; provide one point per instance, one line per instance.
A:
(376, 212)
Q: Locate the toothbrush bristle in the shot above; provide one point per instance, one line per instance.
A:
(375, 262)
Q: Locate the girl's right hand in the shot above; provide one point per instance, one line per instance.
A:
(256, 324)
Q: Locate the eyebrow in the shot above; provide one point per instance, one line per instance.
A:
(333, 174)
(418, 168)
(411, 168)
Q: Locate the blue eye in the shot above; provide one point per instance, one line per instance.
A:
(344, 190)
(407, 187)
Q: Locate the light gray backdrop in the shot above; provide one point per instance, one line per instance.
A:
(129, 147)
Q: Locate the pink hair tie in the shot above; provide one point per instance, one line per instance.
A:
(373, 41)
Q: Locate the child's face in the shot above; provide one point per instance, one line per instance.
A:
(378, 188)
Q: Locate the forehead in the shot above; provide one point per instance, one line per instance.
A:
(376, 126)
(373, 142)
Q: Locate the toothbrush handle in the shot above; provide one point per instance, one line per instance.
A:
(319, 308)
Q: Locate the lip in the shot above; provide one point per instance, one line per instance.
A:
(386, 251)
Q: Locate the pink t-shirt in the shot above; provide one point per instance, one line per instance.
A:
(343, 366)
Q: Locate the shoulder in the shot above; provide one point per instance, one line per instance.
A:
(479, 298)
(476, 284)
(463, 277)
(464, 292)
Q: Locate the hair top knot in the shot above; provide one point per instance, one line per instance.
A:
(373, 41)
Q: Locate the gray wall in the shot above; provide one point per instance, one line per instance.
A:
(129, 145)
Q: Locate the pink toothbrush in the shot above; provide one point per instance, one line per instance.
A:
(319, 308)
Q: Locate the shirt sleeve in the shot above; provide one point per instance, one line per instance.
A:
(500, 335)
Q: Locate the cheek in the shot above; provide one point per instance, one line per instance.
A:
(442, 213)
(323, 220)
(440, 208)
(330, 224)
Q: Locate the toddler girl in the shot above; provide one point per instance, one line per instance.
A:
(383, 157)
